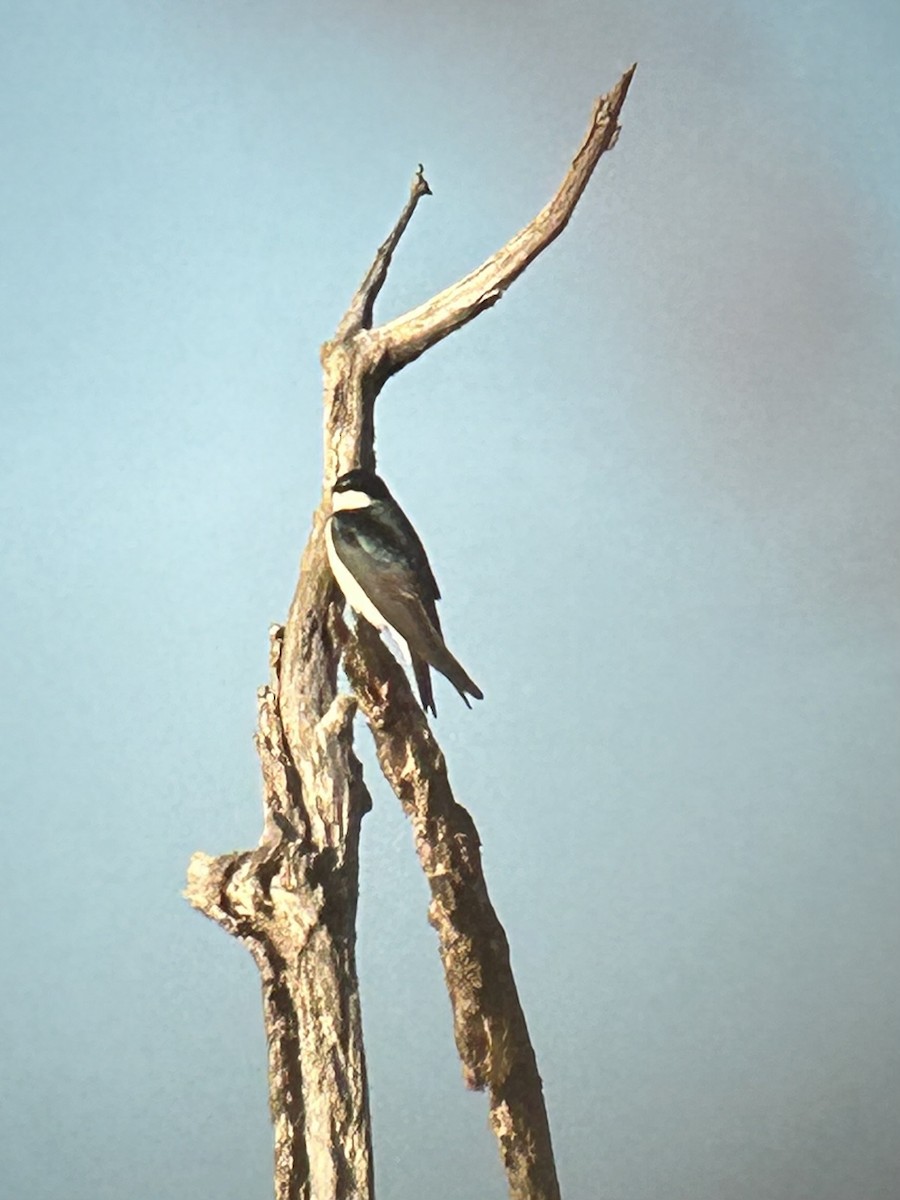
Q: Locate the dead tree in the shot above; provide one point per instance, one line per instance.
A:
(292, 901)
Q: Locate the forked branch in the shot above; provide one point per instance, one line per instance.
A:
(292, 900)
(410, 335)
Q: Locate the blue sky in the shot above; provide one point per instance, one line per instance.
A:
(658, 486)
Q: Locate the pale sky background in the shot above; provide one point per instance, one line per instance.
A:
(659, 485)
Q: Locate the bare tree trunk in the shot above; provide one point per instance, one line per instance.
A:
(292, 901)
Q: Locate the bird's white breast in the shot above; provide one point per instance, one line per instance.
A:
(357, 598)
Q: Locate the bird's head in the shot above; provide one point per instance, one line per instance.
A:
(357, 489)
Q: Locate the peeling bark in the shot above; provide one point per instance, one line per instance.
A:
(488, 1022)
(292, 901)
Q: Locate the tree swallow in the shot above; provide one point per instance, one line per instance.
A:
(381, 567)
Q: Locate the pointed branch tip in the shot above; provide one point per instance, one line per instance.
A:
(406, 337)
(420, 183)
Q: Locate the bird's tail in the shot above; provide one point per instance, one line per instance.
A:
(426, 642)
(442, 660)
(422, 673)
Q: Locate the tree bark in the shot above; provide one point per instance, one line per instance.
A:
(488, 1022)
(292, 901)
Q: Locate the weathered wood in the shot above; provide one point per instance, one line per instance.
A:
(292, 901)
(488, 1022)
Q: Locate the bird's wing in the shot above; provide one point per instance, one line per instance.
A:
(393, 522)
(388, 567)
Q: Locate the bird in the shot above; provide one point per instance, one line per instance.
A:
(381, 567)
